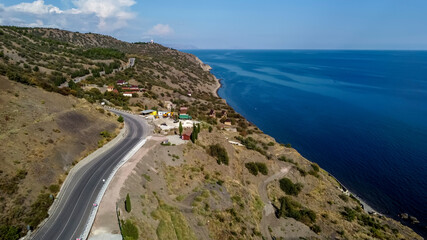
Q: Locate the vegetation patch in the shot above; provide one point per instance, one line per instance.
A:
(255, 167)
(283, 158)
(293, 209)
(252, 144)
(102, 53)
(219, 153)
(289, 187)
(173, 224)
(129, 230)
(120, 119)
(39, 209)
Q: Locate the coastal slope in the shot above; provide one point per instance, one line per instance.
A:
(232, 181)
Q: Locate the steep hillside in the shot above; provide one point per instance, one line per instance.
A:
(43, 135)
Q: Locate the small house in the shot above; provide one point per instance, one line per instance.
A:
(131, 88)
(212, 113)
(183, 110)
(186, 136)
(162, 113)
(227, 122)
(121, 82)
(110, 88)
(147, 112)
(127, 94)
(184, 116)
(224, 113)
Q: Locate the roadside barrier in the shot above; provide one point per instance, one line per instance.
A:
(105, 186)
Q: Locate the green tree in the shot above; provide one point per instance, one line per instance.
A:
(180, 128)
(128, 205)
(193, 136)
(72, 85)
(210, 128)
(195, 131)
(120, 119)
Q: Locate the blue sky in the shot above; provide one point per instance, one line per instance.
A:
(236, 24)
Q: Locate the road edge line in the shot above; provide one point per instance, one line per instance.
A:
(101, 193)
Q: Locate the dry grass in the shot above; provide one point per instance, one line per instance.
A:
(44, 134)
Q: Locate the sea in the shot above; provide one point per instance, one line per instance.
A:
(361, 115)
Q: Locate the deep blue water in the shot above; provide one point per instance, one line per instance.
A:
(362, 115)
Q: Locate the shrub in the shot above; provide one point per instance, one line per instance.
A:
(315, 167)
(129, 230)
(343, 197)
(292, 209)
(39, 209)
(54, 188)
(128, 205)
(252, 168)
(285, 159)
(220, 153)
(102, 53)
(251, 143)
(289, 187)
(210, 128)
(313, 173)
(9, 232)
(316, 229)
(302, 172)
(120, 119)
(348, 214)
(105, 134)
(255, 167)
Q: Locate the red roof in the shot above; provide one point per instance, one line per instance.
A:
(183, 110)
(130, 88)
(186, 136)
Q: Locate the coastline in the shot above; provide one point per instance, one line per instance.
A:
(208, 68)
(365, 206)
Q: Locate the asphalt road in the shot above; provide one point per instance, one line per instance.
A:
(71, 215)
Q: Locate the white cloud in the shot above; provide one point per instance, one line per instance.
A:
(36, 7)
(160, 30)
(37, 23)
(110, 15)
(105, 8)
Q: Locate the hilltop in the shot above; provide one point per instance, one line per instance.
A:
(234, 182)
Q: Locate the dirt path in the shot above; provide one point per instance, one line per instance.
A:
(268, 212)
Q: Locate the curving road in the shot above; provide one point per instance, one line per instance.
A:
(77, 198)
